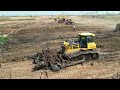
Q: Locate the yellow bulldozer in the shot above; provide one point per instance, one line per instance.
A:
(72, 52)
(84, 45)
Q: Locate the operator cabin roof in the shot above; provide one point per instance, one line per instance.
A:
(86, 33)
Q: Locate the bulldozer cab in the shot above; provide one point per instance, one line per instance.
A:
(86, 40)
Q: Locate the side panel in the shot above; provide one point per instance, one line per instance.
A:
(72, 49)
(91, 45)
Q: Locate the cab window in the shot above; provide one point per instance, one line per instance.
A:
(90, 38)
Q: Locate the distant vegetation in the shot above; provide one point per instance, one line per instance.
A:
(110, 17)
(4, 19)
(15, 19)
(4, 39)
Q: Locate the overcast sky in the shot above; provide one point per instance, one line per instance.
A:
(34, 13)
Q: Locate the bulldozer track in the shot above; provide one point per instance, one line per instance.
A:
(70, 56)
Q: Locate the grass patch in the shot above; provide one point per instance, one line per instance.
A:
(4, 39)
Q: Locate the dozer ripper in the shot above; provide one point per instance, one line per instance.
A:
(71, 53)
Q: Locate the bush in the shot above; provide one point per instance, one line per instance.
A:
(3, 39)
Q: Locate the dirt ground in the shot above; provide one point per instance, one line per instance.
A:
(31, 34)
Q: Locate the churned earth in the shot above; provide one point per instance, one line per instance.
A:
(31, 34)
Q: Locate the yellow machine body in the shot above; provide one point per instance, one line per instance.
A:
(75, 46)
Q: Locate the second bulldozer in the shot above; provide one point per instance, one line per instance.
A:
(73, 52)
